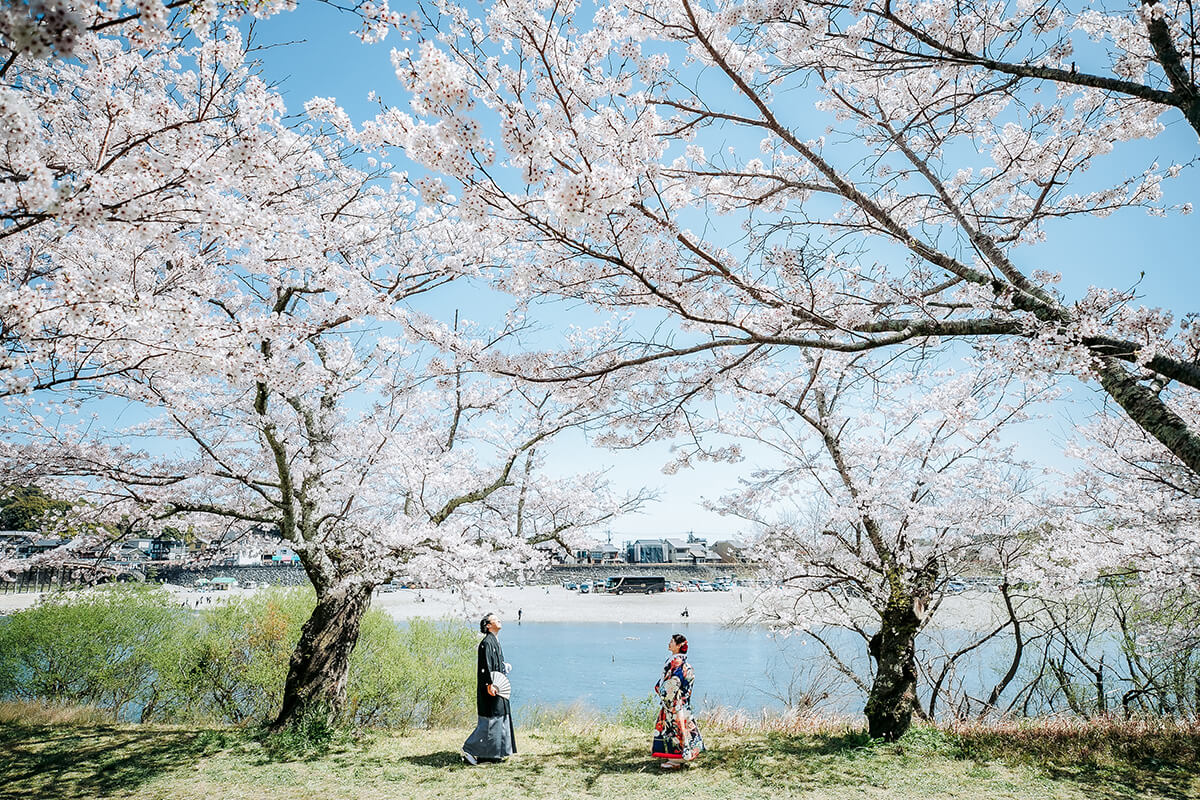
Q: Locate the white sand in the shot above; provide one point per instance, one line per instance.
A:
(969, 610)
(555, 604)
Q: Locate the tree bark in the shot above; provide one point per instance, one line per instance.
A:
(1148, 411)
(320, 664)
(893, 696)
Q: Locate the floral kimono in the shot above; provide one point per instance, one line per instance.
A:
(675, 732)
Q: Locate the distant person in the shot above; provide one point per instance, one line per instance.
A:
(519, 616)
(494, 738)
(676, 737)
(684, 613)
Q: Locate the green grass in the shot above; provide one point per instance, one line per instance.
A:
(77, 758)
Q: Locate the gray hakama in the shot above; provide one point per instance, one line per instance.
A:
(493, 737)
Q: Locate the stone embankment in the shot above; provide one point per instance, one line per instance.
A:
(575, 573)
(275, 576)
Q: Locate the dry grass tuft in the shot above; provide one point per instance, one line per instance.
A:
(30, 712)
(1102, 741)
(736, 720)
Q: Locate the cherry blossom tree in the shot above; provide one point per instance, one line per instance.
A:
(42, 29)
(1135, 506)
(743, 183)
(101, 125)
(122, 144)
(254, 293)
(893, 491)
(774, 177)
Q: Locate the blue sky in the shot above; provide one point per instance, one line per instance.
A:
(1157, 254)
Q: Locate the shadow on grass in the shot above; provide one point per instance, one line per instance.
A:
(438, 760)
(793, 760)
(595, 759)
(1110, 762)
(74, 763)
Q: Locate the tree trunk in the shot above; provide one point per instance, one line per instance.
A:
(1147, 409)
(893, 696)
(316, 681)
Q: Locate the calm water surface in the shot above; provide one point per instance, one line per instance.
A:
(599, 664)
(602, 665)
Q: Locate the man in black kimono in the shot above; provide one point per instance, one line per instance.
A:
(493, 738)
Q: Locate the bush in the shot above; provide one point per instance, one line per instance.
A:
(232, 660)
(133, 653)
(640, 713)
(422, 675)
(96, 649)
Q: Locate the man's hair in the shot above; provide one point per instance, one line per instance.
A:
(483, 623)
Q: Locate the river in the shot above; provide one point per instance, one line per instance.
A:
(601, 665)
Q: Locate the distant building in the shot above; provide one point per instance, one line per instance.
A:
(598, 554)
(692, 550)
(167, 548)
(647, 551)
(728, 551)
(40, 545)
(12, 543)
(130, 553)
(659, 551)
(246, 548)
(281, 556)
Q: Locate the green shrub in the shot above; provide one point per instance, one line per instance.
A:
(96, 648)
(134, 653)
(420, 675)
(232, 659)
(311, 735)
(641, 713)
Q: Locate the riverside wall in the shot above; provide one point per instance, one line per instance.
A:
(576, 573)
(673, 572)
(273, 575)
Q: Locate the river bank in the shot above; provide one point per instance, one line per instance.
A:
(971, 611)
(968, 611)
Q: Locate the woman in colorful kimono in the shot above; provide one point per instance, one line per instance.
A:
(493, 738)
(676, 737)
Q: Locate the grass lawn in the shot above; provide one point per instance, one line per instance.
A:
(574, 758)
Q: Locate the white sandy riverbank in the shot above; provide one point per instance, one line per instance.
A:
(969, 610)
(966, 611)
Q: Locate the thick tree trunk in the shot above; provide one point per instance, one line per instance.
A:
(1146, 408)
(316, 681)
(893, 696)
